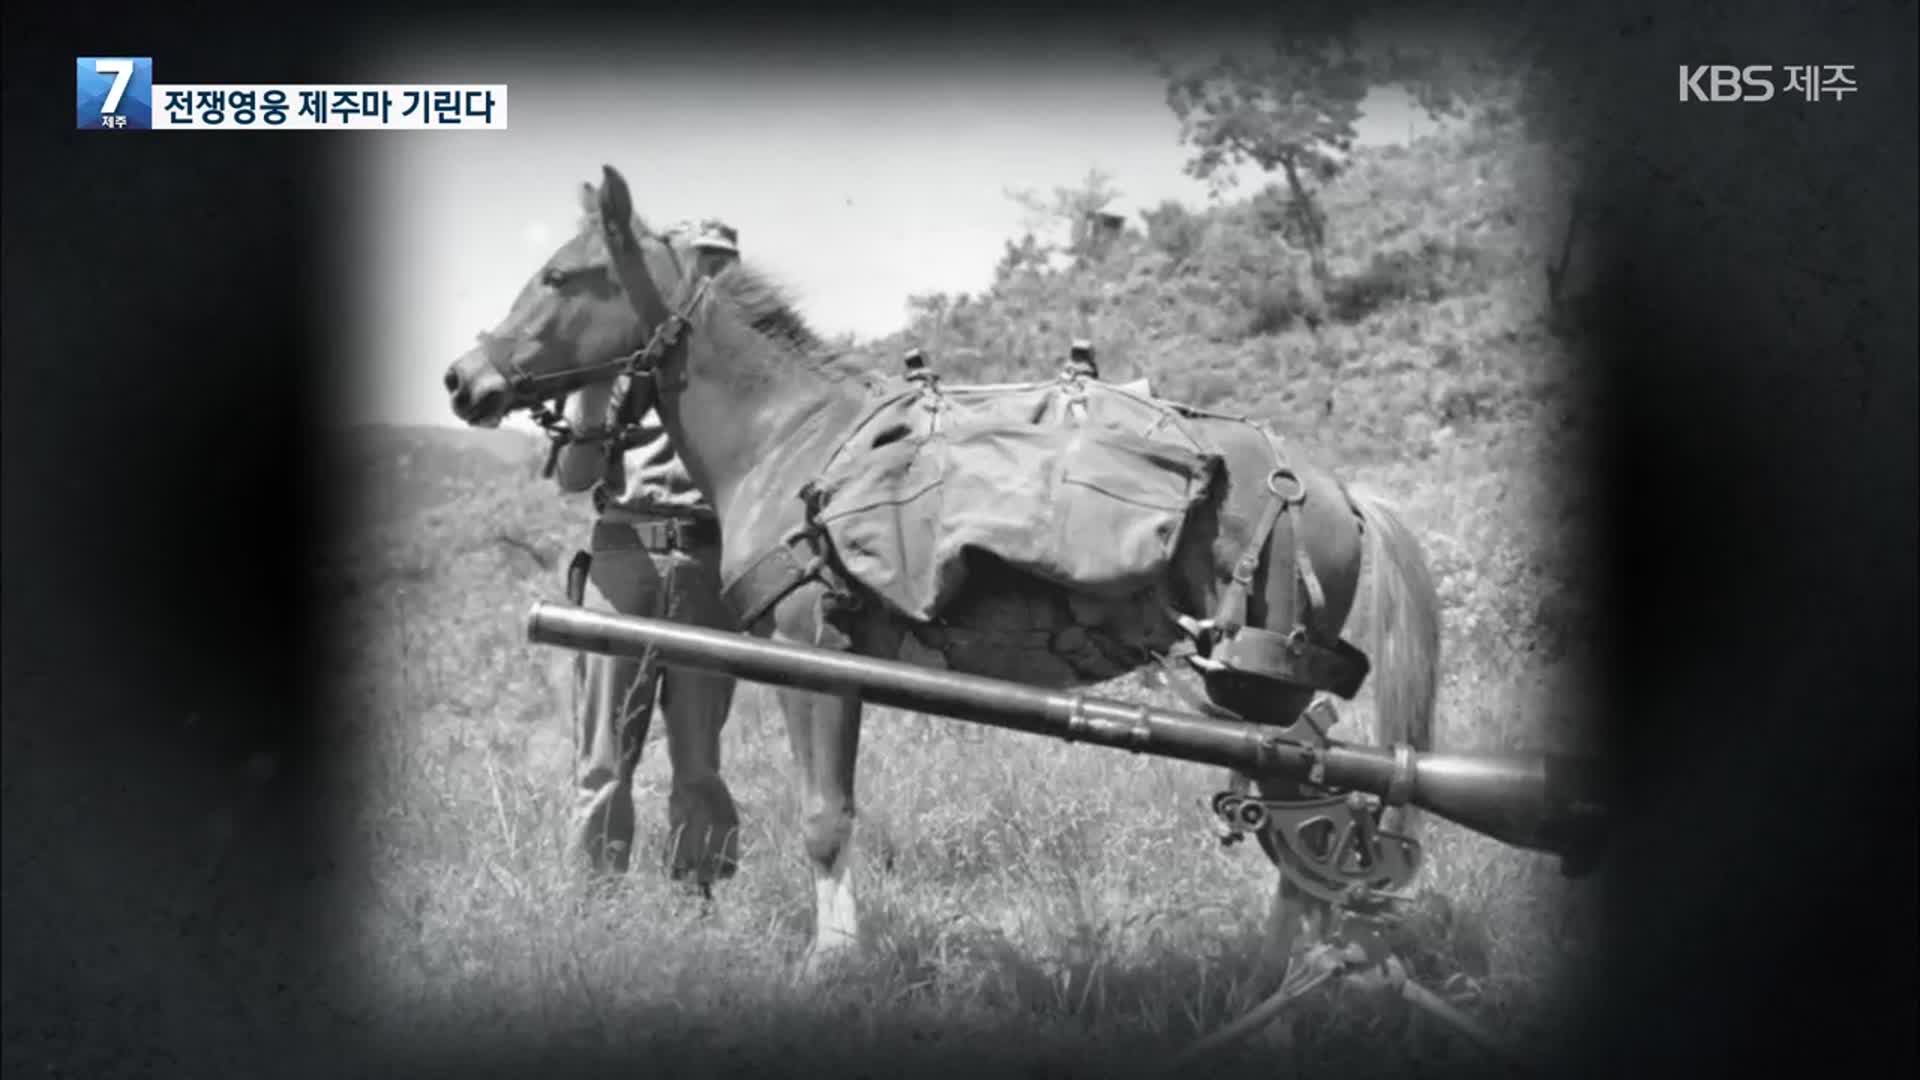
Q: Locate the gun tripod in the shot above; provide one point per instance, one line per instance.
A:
(1332, 848)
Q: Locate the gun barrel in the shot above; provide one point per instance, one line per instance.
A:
(1543, 802)
(994, 702)
(1534, 802)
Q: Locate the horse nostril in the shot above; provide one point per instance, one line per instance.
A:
(452, 380)
(489, 401)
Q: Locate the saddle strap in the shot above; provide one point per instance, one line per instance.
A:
(778, 573)
(1231, 614)
(1296, 654)
(1287, 491)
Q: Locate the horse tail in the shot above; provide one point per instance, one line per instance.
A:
(1405, 625)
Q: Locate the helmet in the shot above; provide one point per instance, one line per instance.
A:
(716, 235)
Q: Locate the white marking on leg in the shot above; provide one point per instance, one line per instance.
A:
(836, 911)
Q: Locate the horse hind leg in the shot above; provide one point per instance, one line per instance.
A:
(1308, 578)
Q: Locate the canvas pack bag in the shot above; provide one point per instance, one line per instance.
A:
(1077, 483)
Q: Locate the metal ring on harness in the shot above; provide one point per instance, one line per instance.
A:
(1286, 475)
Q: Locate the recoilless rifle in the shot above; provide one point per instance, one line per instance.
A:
(1330, 844)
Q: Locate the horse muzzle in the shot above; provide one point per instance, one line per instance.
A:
(476, 390)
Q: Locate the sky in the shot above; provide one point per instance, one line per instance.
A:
(857, 179)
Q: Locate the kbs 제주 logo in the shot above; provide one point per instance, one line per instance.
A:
(113, 93)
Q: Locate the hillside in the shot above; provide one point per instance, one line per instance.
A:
(402, 470)
(1070, 896)
(1438, 311)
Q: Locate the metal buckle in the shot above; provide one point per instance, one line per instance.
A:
(1284, 475)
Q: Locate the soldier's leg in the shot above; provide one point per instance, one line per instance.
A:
(613, 704)
(703, 823)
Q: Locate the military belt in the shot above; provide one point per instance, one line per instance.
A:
(676, 534)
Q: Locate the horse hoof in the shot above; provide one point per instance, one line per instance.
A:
(700, 894)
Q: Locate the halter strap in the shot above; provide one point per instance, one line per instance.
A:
(533, 392)
(643, 363)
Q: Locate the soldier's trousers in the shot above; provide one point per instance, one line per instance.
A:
(613, 709)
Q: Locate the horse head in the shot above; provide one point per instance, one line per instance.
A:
(583, 318)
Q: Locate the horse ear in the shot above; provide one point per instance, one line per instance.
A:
(616, 203)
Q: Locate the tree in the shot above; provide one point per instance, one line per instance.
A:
(1294, 110)
(1529, 72)
(1018, 257)
(1074, 205)
(929, 308)
(1505, 74)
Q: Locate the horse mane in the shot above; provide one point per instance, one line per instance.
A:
(767, 307)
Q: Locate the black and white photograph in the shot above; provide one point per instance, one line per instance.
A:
(880, 545)
(1213, 389)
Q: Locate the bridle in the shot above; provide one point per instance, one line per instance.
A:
(544, 395)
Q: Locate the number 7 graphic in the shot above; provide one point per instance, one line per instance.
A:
(122, 72)
(113, 93)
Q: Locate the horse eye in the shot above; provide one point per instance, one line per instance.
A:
(553, 277)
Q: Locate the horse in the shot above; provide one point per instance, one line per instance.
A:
(757, 406)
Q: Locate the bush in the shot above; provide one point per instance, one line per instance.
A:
(1389, 278)
(1274, 305)
(1174, 231)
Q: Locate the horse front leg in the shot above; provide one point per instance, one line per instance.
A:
(824, 731)
(825, 735)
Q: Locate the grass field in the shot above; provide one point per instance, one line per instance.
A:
(1030, 905)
